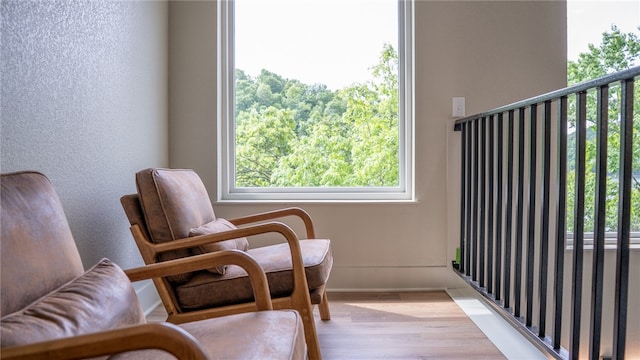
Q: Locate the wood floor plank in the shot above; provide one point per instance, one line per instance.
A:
(411, 325)
(398, 326)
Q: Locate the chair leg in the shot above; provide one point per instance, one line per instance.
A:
(310, 333)
(301, 303)
(323, 307)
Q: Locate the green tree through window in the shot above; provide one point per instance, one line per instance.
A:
(293, 134)
(617, 51)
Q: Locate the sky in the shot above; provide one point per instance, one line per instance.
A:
(291, 37)
(270, 36)
(587, 20)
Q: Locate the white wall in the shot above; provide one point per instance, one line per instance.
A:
(492, 53)
(84, 90)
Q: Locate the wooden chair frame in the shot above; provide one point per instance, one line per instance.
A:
(161, 336)
(299, 298)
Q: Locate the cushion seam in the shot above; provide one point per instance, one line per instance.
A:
(161, 200)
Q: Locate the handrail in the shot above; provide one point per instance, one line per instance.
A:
(513, 212)
(584, 86)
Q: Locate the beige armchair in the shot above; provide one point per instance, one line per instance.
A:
(171, 217)
(51, 308)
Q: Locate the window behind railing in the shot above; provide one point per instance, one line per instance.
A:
(542, 194)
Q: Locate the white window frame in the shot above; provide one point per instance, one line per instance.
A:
(228, 192)
(610, 240)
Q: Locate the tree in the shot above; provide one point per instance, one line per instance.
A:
(262, 139)
(290, 134)
(355, 142)
(617, 51)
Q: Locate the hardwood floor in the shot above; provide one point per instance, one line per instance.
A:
(411, 325)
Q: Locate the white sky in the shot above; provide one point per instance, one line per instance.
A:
(588, 19)
(291, 37)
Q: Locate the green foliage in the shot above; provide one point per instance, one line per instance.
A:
(262, 139)
(618, 51)
(289, 134)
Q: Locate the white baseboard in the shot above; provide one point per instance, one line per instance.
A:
(147, 295)
(346, 278)
(507, 339)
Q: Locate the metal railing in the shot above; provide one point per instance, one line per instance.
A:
(513, 215)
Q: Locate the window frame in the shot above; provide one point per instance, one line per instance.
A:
(226, 189)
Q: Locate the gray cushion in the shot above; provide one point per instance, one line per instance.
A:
(100, 299)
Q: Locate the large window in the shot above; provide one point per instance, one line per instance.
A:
(603, 38)
(315, 100)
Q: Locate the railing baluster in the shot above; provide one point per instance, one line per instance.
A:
(500, 207)
(463, 196)
(578, 227)
(600, 210)
(624, 220)
(531, 206)
(508, 238)
(466, 257)
(519, 217)
(544, 232)
(483, 200)
(561, 221)
(474, 245)
(490, 209)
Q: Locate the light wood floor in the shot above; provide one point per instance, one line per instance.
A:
(411, 325)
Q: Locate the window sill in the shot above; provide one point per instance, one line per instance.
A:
(610, 241)
(310, 201)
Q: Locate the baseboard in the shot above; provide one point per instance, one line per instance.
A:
(507, 339)
(147, 295)
(394, 279)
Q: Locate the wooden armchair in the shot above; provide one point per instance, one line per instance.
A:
(51, 308)
(171, 216)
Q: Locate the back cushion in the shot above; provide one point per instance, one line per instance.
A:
(100, 299)
(174, 201)
(37, 249)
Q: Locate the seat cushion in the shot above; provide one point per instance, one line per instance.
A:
(205, 289)
(257, 335)
(100, 299)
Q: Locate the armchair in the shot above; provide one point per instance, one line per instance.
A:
(51, 308)
(171, 217)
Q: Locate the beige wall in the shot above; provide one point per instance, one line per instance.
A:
(492, 53)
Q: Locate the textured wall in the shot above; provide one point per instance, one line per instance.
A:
(84, 91)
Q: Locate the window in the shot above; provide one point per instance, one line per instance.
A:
(602, 38)
(315, 100)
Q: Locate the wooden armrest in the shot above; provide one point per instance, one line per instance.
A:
(206, 261)
(264, 228)
(161, 336)
(150, 250)
(194, 241)
(275, 214)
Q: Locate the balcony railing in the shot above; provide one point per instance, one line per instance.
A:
(514, 201)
